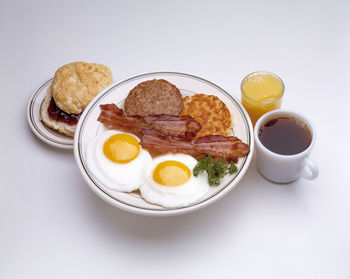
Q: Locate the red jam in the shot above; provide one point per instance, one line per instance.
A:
(55, 113)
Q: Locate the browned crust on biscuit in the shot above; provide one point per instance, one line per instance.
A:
(76, 84)
(156, 96)
(210, 112)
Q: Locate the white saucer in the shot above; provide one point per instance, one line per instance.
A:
(44, 133)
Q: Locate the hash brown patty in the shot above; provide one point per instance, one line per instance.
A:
(210, 112)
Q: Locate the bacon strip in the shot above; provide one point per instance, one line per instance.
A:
(172, 134)
(113, 117)
(230, 148)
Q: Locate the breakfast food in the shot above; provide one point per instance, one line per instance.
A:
(169, 173)
(229, 148)
(76, 84)
(156, 96)
(118, 161)
(57, 119)
(113, 117)
(176, 136)
(72, 88)
(171, 182)
(210, 112)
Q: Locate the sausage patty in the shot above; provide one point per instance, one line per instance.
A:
(156, 96)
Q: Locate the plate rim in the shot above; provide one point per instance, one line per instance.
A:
(37, 131)
(171, 211)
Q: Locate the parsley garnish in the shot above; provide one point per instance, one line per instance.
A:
(216, 169)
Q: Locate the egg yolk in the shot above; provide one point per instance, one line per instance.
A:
(121, 148)
(171, 173)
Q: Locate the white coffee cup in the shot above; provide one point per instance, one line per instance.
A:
(284, 168)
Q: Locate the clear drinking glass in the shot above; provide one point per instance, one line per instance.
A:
(262, 91)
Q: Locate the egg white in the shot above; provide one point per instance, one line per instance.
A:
(120, 177)
(175, 196)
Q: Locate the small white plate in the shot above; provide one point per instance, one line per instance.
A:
(88, 127)
(44, 133)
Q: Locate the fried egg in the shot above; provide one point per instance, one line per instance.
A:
(171, 183)
(118, 161)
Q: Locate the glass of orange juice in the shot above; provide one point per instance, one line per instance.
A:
(262, 92)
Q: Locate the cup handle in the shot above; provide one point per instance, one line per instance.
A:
(310, 170)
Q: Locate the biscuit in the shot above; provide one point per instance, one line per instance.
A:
(156, 96)
(210, 112)
(59, 126)
(77, 83)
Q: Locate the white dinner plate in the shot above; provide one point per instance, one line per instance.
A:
(88, 127)
(44, 133)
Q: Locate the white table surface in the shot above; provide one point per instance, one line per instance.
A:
(53, 226)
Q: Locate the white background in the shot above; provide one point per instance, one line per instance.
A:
(53, 226)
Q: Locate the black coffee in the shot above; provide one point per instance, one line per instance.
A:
(285, 135)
